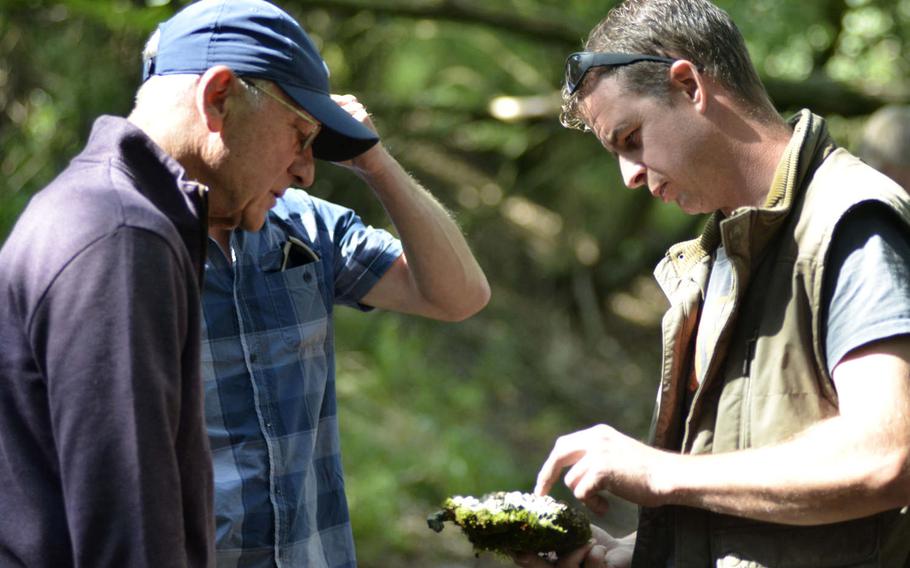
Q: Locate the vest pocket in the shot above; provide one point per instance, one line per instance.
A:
(853, 544)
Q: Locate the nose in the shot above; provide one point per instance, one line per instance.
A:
(303, 168)
(634, 174)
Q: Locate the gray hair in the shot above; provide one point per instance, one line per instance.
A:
(695, 30)
(886, 138)
(151, 46)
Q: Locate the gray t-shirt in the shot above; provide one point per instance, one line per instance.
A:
(713, 311)
(867, 282)
(866, 288)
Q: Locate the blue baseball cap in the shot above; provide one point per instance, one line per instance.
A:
(256, 39)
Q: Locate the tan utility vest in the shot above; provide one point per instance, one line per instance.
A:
(766, 378)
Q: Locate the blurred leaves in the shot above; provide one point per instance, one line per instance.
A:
(465, 93)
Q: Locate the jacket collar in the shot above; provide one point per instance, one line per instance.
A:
(751, 228)
(155, 175)
(117, 139)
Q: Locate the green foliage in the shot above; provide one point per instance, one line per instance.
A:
(61, 65)
(430, 409)
(570, 338)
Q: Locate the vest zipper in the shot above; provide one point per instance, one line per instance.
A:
(750, 354)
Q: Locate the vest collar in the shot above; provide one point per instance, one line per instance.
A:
(748, 230)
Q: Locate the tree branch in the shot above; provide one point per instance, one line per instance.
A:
(563, 32)
(819, 93)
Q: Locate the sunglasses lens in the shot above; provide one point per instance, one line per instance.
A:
(579, 63)
(574, 72)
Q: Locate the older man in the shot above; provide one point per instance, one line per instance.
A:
(270, 293)
(104, 457)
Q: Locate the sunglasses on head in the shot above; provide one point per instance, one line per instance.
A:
(581, 62)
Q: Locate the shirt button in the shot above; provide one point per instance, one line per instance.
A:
(307, 276)
(253, 357)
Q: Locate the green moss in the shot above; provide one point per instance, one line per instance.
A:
(515, 522)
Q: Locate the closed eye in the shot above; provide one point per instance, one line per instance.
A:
(632, 139)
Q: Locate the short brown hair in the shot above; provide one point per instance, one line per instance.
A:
(695, 30)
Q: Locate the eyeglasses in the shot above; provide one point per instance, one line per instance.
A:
(581, 62)
(308, 140)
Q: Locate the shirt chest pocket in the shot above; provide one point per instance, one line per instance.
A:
(294, 303)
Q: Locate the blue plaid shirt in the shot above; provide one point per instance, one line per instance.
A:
(269, 372)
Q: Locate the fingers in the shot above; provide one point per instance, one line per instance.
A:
(577, 474)
(597, 503)
(566, 452)
(530, 560)
(353, 107)
(618, 557)
(550, 470)
(343, 97)
(586, 480)
(591, 555)
(575, 558)
(597, 558)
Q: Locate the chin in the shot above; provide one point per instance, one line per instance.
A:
(693, 209)
(252, 225)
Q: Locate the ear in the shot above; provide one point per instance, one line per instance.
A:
(687, 79)
(212, 93)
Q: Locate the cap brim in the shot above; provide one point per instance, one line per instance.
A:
(342, 136)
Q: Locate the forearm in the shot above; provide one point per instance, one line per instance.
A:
(441, 264)
(852, 465)
(829, 473)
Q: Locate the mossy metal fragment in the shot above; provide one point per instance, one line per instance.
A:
(516, 522)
